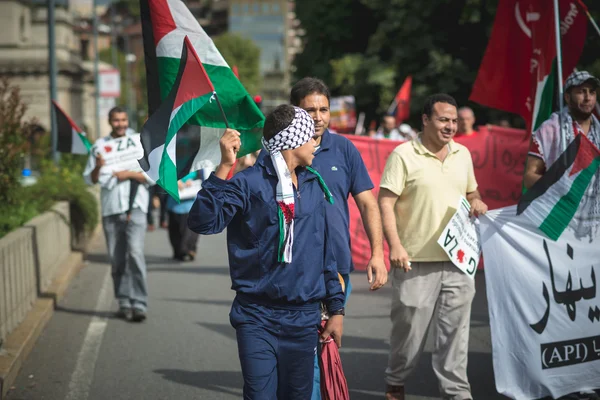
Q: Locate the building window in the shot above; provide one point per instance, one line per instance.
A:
(235, 9)
(256, 8)
(245, 9)
(265, 8)
(275, 8)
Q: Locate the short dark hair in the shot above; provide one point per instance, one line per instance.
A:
(437, 98)
(277, 120)
(116, 110)
(307, 86)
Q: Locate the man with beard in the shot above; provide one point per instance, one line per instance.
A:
(546, 145)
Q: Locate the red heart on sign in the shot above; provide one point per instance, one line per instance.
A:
(461, 256)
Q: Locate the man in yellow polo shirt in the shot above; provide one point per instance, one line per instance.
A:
(421, 185)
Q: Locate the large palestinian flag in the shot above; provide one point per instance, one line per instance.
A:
(190, 93)
(552, 202)
(165, 23)
(71, 139)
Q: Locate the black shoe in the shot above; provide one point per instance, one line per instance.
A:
(138, 315)
(124, 313)
(186, 257)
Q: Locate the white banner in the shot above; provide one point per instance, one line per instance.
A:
(190, 189)
(120, 154)
(544, 308)
(460, 239)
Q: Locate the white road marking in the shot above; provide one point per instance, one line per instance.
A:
(81, 380)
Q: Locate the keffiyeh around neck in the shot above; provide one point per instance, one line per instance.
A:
(299, 132)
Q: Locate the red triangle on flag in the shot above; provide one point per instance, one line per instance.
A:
(194, 81)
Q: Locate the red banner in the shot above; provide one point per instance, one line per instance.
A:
(498, 157)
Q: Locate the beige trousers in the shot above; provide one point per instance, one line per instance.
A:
(438, 293)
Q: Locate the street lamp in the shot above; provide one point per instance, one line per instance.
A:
(52, 76)
(96, 69)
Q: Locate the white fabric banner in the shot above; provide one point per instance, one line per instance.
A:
(544, 308)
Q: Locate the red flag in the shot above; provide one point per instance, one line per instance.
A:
(518, 71)
(235, 71)
(333, 381)
(401, 105)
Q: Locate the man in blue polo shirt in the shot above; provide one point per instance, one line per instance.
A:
(341, 166)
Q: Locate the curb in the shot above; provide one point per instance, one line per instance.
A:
(21, 340)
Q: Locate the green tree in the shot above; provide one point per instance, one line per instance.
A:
(244, 54)
(331, 31)
(440, 43)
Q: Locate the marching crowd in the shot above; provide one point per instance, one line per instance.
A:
(288, 237)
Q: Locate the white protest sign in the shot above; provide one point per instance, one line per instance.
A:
(460, 239)
(190, 189)
(121, 154)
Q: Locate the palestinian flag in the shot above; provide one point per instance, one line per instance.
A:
(552, 202)
(71, 139)
(164, 24)
(191, 91)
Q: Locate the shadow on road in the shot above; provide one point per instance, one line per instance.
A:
(190, 269)
(87, 313)
(201, 301)
(230, 382)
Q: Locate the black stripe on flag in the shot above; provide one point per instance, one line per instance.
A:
(551, 176)
(154, 131)
(65, 131)
(188, 138)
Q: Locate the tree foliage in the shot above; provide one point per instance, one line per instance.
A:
(244, 54)
(14, 141)
(369, 50)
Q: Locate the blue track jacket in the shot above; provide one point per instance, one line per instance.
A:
(246, 206)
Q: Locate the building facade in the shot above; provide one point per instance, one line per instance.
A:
(273, 27)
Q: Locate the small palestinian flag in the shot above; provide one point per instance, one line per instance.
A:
(191, 91)
(553, 201)
(71, 139)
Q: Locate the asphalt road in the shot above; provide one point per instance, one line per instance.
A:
(187, 349)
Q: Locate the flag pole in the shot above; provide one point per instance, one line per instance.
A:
(559, 65)
(221, 108)
(593, 22)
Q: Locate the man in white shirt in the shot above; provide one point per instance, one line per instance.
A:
(123, 219)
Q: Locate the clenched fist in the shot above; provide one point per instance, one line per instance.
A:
(230, 144)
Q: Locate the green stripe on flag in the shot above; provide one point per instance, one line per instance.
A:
(85, 141)
(241, 111)
(563, 211)
(168, 168)
(544, 109)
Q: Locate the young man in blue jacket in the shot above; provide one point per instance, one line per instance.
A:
(280, 257)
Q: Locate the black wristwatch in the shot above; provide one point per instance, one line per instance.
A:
(341, 311)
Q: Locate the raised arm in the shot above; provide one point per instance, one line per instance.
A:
(220, 200)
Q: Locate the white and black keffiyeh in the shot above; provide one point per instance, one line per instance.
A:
(299, 132)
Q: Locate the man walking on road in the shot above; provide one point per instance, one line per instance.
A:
(280, 255)
(344, 171)
(124, 222)
(421, 185)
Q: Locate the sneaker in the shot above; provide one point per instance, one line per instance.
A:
(138, 315)
(124, 313)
